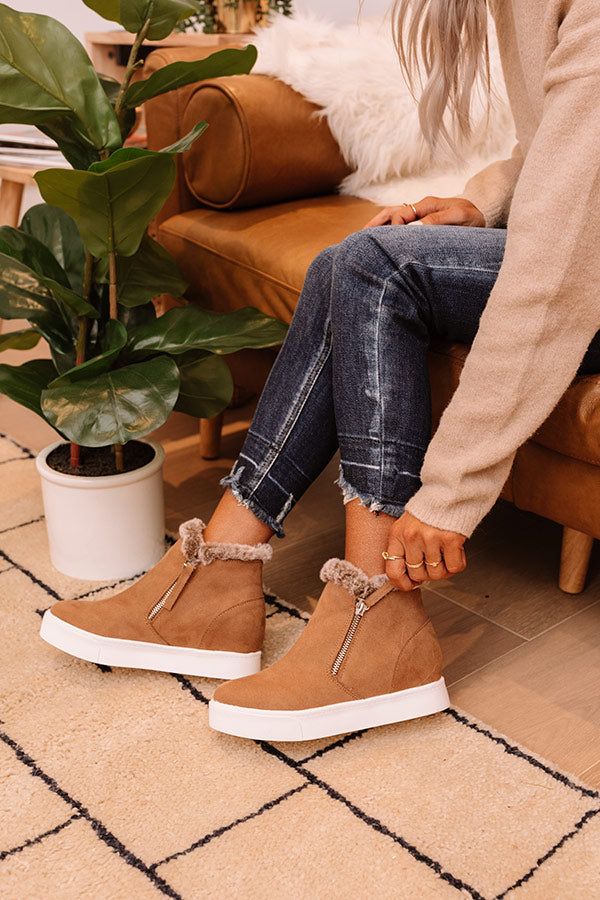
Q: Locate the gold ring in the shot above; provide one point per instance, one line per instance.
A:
(433, 564)
(415, 565)
(386, 555)
(412, 206)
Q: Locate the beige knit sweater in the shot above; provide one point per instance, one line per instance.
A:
(545, 306)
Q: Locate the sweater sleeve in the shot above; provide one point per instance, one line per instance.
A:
(545, 306)
(492, 189)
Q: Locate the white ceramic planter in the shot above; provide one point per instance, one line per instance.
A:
(104, 528)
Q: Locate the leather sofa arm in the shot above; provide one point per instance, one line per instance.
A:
(265, 142)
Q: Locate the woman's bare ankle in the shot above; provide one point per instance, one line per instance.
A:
(234, 523)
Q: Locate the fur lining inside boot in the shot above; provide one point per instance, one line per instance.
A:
(347, 575)
(197, 551)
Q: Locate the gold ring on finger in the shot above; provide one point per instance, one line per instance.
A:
(433, 564)
(415, 565)
(414, 209)
(386, 555)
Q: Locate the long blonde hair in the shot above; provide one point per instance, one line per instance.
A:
(444, 53)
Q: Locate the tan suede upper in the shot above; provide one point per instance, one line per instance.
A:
(394, 648)
(221, 607)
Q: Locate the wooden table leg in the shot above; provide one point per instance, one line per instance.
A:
(210, 437)
(574, 560)
(11, 195)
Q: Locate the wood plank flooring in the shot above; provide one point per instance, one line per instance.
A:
(519, 653)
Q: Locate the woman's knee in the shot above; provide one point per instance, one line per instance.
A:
(363, 269)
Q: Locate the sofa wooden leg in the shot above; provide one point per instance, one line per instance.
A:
(574, 560)
(210, 437)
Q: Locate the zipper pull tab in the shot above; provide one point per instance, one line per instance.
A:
(167, 601)
(178, 585)
(360, 608)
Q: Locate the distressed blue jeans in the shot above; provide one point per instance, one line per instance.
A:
(352, 373)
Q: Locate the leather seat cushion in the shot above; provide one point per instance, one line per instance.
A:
(258, 257)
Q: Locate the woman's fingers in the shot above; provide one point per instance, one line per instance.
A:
(454, 555)
(430, 554)
(393, 215)
(431, 211)
(435, 561)
(395, 566)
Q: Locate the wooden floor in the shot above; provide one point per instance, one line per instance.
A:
(519, 653)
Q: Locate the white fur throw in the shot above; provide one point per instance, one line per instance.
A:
(353, 73)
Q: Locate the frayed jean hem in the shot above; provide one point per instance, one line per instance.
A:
(369, 501)
(231, 482)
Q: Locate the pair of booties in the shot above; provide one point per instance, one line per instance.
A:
(368, 656)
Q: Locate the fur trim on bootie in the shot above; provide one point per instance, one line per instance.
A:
(197, 551)
(351, 578)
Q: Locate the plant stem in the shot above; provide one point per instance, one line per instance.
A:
(112, 284)
(130, 69)
(82, 321)
(118, 448)
(112, 298)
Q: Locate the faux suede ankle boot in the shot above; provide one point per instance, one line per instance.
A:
(200, 611)
(369, 656)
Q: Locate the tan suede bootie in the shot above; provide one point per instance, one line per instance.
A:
(369, 656)
(200, 611)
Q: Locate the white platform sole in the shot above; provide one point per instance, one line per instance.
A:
(140, 655)
(326, 721)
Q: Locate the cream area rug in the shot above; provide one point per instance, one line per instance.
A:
(112, 785)
(352, 72)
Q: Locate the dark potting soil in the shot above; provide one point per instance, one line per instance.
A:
(96, 461)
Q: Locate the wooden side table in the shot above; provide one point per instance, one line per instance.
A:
(109, 50)
(13, 181)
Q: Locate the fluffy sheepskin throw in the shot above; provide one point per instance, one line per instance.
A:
(353, 73)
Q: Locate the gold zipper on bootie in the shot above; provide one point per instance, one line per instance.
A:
(360, 609)
(167, 601)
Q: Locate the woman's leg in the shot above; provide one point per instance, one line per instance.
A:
(292, 436)
(394, 289)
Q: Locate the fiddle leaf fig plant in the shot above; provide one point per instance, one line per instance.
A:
(82, 269)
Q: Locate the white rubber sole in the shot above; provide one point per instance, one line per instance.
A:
(326, 721)
(140, 655)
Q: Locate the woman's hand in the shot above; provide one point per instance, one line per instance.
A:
(431, 211)
(414, 542)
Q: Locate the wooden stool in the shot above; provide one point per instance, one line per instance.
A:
(14, 179)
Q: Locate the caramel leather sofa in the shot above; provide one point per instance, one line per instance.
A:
(253, 204)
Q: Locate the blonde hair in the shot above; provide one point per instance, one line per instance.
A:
(443, 50)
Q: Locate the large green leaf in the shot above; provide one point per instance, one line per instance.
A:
(24, 384)
(75, 304)
(206, 387)
(112, 208)
(58, 232)
(132, 316)
(149, 272)
(163, 14)
(178, 74)
(115, 338)
(45, 73)
(19, 340)
(23, 295)
(62, 130)
(114, 407)
(32, 252)
(187, 140)
(190, 327)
